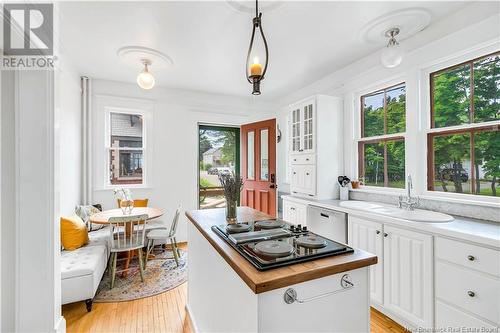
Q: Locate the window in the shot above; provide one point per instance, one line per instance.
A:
(218, 153)
(381, 149)
(464, 140)
(126, 148)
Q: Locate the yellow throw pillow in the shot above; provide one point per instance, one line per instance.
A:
(74, 233)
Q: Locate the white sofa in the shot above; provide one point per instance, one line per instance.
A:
(82, 269)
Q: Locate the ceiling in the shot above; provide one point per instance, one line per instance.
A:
(208, 41)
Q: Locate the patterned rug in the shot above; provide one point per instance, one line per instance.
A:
(161, 275)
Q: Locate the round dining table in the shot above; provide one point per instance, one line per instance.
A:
(103, 218)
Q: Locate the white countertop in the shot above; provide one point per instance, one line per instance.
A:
(467, 229)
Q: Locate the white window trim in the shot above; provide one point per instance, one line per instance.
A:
(358, 131)
(146, 118)
(425, 127)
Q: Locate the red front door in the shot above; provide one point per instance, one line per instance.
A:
(259, 166)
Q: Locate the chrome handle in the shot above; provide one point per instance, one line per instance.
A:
(471, 258)
(471, 293)
(290, 295)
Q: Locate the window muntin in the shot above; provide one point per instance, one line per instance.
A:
(126, 148)
(466, 93)
(465, 159)
(382, 159)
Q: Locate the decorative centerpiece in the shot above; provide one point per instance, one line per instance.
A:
(232, 185)
(125, 200)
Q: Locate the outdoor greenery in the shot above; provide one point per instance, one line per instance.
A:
(384, 112)
(455, 103)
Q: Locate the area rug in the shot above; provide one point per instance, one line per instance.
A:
(161, 275)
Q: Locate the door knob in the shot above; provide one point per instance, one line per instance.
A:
(471, 293)
(471, 258)
(378, 232)
(386, 234)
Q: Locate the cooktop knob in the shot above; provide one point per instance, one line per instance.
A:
(304, 228)
(299, 227)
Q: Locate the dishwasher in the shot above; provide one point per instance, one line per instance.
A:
(327, 223)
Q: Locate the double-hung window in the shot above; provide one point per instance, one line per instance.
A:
(126, 148)
(381, 148)
(463, 143)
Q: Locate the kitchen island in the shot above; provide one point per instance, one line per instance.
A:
(226, 293)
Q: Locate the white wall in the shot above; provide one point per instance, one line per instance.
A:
(7, 199)
(69, 109)
(173, 146)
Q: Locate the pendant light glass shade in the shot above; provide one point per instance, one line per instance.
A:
(392, 54)
(145, 79)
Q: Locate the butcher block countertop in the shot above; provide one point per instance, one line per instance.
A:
(262, 281)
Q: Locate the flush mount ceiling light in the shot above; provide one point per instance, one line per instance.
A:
(254, 71)
(145, 79)
(401, 23)
(145, 57)
(392, 54)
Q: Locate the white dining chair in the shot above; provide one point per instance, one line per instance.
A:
(127, 233)
(162, 236)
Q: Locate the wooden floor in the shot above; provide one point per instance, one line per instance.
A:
(161, 313)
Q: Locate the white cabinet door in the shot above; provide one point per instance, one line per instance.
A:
(309, 179)
(308, 126)
(289, 212)
(408, 275)
(301, 217)
(296, 130)
(368, 236)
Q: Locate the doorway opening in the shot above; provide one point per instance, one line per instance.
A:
(218, 153)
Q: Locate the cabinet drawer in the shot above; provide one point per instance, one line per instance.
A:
(449, 316)
(471, 256)
(470, 290)
(303, 159)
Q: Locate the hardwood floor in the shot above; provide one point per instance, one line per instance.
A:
(161, 313)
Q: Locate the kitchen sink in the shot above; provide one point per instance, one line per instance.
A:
(418, 215)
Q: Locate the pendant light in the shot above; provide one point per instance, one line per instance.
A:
(392, 54)
(254, 72)
(145, 79)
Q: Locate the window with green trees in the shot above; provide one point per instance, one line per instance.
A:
(381, 149)
(464, 140)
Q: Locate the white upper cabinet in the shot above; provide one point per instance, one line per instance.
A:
(315, 149)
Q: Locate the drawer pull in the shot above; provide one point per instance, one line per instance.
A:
(295, 159)
(471, 258)
(292, 208)
(307, 173)
(307, 159)
(471, 293)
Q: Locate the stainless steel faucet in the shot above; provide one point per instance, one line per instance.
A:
(408, 202)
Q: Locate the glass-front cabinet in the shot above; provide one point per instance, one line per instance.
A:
(302, 128)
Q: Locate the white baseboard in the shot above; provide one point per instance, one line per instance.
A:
(191, 319)
(60, 326)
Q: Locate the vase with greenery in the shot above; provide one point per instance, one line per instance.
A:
(232, 185)
(125, 200)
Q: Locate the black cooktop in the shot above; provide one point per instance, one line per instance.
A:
(275, 243)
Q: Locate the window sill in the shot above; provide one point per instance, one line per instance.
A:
(132, 187)
(433, 196)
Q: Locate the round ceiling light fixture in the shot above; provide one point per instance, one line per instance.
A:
(145, 79)
(146, 57)
(392, 54)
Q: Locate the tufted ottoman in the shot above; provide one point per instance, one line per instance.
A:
(81, 272)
